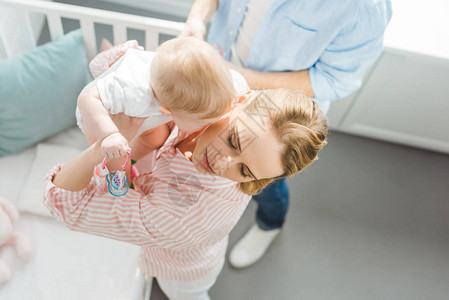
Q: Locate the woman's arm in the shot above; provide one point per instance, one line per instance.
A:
(131, 218)
(154, 216)
(77, 173)
(137, 218)
(83, 204)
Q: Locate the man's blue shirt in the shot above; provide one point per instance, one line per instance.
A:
(337, 40)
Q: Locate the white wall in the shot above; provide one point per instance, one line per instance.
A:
(405, 97)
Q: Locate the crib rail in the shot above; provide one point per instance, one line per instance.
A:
(87, 17)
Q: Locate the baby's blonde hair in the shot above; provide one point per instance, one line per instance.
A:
(300, 125)
(188, 74)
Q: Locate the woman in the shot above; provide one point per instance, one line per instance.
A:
(321, 47)
(199, 186)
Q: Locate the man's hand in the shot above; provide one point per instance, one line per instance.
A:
(114, 145)
(199, 15)
(194, 28)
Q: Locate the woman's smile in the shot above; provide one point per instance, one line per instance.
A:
(206, 163)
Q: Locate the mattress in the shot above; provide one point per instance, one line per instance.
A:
(66, 264)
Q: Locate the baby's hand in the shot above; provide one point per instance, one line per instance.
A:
(114, 145)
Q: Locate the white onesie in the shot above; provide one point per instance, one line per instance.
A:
(125, 88)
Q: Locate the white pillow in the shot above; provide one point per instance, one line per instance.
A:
(15, 168)
(72, 137)
(47, 156)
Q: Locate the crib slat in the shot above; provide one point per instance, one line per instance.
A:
(30, 30)
(55, 26)
(87, 27)
(119, 32)
(5, 49)
(151, 39)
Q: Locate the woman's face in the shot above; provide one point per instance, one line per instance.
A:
(241, 147)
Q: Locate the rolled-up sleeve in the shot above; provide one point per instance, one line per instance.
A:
(340, 69)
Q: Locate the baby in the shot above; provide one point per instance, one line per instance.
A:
(185, 80)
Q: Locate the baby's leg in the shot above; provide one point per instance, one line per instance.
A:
(90, 137)
(149, 140)
(113, 164)
(128, 127)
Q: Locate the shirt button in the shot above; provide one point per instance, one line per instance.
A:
(239, 10)
(230, 32)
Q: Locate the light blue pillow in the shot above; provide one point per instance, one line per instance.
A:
(38, 92)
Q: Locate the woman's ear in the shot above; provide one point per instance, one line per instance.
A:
(165, 111)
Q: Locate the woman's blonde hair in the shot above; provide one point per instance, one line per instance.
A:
(188, 74)
(300, 125)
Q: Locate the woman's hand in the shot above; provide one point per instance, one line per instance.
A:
(77, 173)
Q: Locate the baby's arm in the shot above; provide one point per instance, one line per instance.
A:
(97, 122)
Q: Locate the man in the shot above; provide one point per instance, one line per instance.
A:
(322, 47)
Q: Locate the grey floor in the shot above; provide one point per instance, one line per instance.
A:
(369, 220)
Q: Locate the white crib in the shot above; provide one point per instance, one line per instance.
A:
(87, 17)
(30, 13)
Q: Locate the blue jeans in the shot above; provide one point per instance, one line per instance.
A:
(272, 205)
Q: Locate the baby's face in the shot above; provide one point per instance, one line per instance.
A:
(191, 122)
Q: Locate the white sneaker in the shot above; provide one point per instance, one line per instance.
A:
(251, 247)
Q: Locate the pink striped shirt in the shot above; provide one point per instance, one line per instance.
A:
(180, 217)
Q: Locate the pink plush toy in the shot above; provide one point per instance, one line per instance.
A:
(8, 237)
